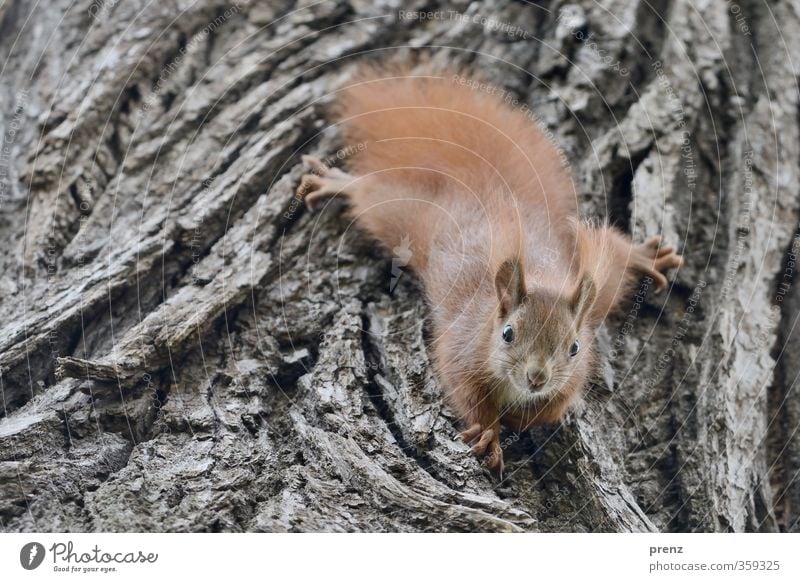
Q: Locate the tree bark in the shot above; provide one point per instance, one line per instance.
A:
(184, 348)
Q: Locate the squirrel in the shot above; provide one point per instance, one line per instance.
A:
(517, 284)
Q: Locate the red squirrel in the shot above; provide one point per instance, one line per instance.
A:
(516, 283)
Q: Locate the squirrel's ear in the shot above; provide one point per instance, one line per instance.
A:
(584, 297)
(509, 281)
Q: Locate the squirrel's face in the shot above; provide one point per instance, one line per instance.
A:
(542, 341)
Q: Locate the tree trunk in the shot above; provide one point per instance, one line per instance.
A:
(183, 347)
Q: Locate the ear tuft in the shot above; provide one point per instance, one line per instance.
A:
(584, 297)
(509, 282)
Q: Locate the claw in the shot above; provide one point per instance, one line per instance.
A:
(494, 461)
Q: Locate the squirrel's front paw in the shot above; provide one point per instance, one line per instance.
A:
(322, 183)
(487, 445)
(651, 259)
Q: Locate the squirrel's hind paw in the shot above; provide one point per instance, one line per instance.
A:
(488, 446)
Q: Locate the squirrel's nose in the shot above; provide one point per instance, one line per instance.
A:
(537, 378)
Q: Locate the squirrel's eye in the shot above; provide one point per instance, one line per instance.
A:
(508, 333)
(574, 348)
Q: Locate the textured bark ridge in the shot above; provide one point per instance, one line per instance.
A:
(183, 347)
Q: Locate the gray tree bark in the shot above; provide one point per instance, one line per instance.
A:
(184, 348)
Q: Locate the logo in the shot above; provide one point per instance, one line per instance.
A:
(31, 555)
